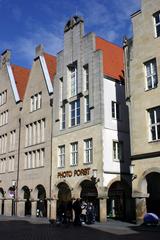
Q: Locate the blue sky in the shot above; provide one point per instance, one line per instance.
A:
(26, 23)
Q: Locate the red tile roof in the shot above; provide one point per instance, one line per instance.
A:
(51, 64)
(113, 65)
(21, 76)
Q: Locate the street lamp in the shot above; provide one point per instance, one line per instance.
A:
(134, 176)
(94, 178)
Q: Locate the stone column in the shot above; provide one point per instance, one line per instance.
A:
(140, 209)
(103, 209)
(1, 206)
(34, 208)
(53, 205)
(8, 207)
(21, 208)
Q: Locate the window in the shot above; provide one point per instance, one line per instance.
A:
(154, 126)
(74, 154)
(2, 165)
(62, 118)
(115, 110)
(88, 151)
(86, 77)
(117, 151)
(3, 143)
(34, 159)
(87, 109)
(157, 23)
(35, 133)
(61, 156)
(12, 140)
(36, 102)
(11, 162)
(3, 97)
(4, 118)
(151, 74)
(60, 88)
(75, 112)
(73, 79)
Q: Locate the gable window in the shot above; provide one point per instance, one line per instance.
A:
(73, 79)
(87, 109)
(75, 112)
(11, 163)
(4, 118)
(62, 117)
(157, 23)
(3, 97)
(74, 154)
(3, 165)
(86, 77)
(154, 123)
(117, 151)
(34, 159)
(61, 156)
(151, 74)
(88, 151)
(12, 140)
(60, 89)
(115, 110)
(36, 102)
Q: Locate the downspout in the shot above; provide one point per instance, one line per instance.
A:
(17, 180)
(50, 186)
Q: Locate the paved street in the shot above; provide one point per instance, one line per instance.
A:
(13, 229)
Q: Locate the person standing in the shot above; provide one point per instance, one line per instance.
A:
(77, 211)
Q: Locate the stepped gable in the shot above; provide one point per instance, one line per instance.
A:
(113, 64)
(21, 76)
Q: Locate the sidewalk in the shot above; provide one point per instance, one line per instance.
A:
(110, 226)
(122, 228)
(33, 220)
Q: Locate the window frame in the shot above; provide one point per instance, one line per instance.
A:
(74, 154)
(74, 109)
(154, 125)
(156, 25)
(118, 147)
(87, 111)
(86, 77)
(61, 156)
(88, 151)
(152, 66)
(116, 114)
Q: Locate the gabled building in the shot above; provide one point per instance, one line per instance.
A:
(142, 72)
(25, 135)
(13, 80)
(35, 138)
(90, 126)
(72, 134)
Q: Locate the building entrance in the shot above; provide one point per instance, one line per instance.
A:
(64, 203)
(1, 201)
(89, 194)
(26, 196)
(116, 201)
(153, 189)
(42, 202)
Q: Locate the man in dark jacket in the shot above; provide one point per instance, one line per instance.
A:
(77, 210)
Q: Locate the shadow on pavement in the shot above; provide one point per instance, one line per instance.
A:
(24, 230)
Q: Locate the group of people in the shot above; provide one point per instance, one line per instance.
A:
(84, 212)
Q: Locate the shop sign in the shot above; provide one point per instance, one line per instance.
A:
(76, 172)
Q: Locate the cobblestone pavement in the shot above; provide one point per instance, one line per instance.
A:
(30, 230)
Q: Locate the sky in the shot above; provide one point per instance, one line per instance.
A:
(24, 24)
